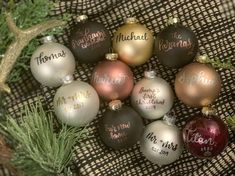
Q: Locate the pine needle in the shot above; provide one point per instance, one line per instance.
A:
(231, 122)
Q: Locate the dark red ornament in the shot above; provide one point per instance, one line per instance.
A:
(120, 127)
(205, 136)
(176, 45)
(89, 41)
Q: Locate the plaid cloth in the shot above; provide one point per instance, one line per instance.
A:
(213, 21)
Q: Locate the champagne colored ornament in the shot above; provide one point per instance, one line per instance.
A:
(206, 135)
(197, 85)
(120, 127)
(162, 141)
(51, 62)
(112, 79)
(133, 42)
(152, 97)
(76, 103)
(89, 41)
(176, 45)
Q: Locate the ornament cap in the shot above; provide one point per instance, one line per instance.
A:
(172, 20)
(111, 56)
(82, 18)
(170, 118)
(48, 39)
(202, 58)
(115, 105)
(150, 74)
(68, 79)
(208, 111)
(131, 20)
(2, 55)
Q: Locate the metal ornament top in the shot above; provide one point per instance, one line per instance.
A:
(82, 18)
(111, 56)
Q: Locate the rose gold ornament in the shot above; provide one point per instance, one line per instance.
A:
(197, 85)
(112, 79)
(133, 42)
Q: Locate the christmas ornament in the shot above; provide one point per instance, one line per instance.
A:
(112, 79)
(120, 127)
(89, 41)
(205, 136)
(133, 42)
(176, 45)
(162, 141)
(197, 85)
(152, 97)
(51, 62)
(76, 103)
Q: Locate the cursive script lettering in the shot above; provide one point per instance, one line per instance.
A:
(132, 36)
(42, 58)
(107, 79)
(195, 137)
(165, 45)
(118, 132)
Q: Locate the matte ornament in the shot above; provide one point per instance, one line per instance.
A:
(89, 41)
(51, 62)
(161, 142)
(176, 45)
(120, 127)
(112, 79)
(152, 97)
(205, 136)
(133, 42)
(197, 85)
(76, 103)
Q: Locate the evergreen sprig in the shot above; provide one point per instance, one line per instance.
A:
(40, 149)
(231, 122)
(26, 14)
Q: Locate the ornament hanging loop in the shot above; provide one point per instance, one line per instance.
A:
(131, 20)
(172, 20)
(111, 56)
(150, 74)
(115, 105)
(170, 118)
(208, 111)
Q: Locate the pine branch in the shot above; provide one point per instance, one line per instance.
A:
(231, 122)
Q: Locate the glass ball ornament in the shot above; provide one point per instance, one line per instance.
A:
(120, 127)
(51, 62)
(133, 42)
(76, 103)
(176, 45)
(112, 79)
(162, 142)
(89, 40)
(152, 97)
(205, 135)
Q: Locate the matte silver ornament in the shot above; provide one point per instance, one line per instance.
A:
(161, 142)
(152, 97)
(51, 62)
(76, 103)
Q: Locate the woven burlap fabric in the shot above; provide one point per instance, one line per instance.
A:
(213, 21)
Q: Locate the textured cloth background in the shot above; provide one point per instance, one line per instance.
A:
(213, 21)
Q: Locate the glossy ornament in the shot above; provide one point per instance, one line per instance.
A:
(89, 41)
(51, 62)
(152, 96)
(197, 85)
(176, 45)
(133, 42)
(112, 79)
(120, 127)
(205, 136)
(76, 103)
(162, 142)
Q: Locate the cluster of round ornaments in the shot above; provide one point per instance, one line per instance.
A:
(76, 103)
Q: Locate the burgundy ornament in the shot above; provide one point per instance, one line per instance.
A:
(205, 136)
(112, 79)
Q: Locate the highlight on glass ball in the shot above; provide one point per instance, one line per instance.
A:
(162, 142)
(112, 79)
(205, 135)
(133, 42)
(76, 103)
(152, 96)
(197, 85)
(120, 127)
(89, 40)
(176, 45)
(51, 62)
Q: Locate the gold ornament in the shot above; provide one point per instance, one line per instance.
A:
(133, 42)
